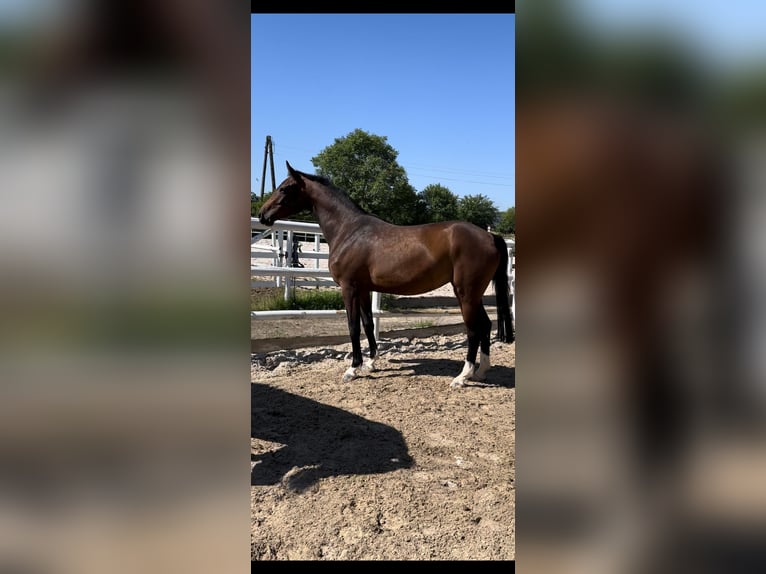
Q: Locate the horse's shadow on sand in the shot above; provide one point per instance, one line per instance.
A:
(497, 376)
(319, 441)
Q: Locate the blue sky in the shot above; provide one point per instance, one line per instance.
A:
(725, 34)
(440, 87)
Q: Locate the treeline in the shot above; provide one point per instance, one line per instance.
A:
(364, 165)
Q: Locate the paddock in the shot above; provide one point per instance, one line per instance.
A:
(392, 465)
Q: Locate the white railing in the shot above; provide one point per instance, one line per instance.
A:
(280, 253)
(511, 245)
(281, 249)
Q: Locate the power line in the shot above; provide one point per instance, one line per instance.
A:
(439, 177)
(409, 167)
(461, 171)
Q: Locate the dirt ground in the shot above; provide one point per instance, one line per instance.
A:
(394, 465)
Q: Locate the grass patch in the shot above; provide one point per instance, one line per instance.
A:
(273, 299)
(305, 300)
(387, 302)
(424, 324)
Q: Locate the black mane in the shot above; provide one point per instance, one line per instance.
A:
(318, 178)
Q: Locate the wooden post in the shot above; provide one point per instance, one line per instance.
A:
(271, 161)
(376, 309)
(265, 155)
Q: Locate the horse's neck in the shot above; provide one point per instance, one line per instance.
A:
(335, 217)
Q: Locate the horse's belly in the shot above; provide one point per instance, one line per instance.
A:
(402, 283)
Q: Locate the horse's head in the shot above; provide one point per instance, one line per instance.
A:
(287, 199)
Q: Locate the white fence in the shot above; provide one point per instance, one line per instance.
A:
(280, 253)
(282, 258)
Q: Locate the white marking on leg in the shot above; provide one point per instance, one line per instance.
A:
(369, 365)
(465, 374)
(351, 373)
(481, 372)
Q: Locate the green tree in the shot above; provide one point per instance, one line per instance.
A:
(256, 203)
(741, 99)
(553, 52)
(478, 209)
(364, 166)
(438, 203)
(559, 53)
(507, 222)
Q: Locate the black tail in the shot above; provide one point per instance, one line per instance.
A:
(503, 294)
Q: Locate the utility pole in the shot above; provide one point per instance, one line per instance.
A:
(268, 153)
(271, 162)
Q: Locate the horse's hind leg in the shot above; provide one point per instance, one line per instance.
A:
(365, 308)
(475, 319)
(485, 326)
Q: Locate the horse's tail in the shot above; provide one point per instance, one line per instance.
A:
(503, 294)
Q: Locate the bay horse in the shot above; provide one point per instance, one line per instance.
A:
(630, 324)
(368, 254)
(646, 185)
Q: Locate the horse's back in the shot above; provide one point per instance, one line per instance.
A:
(414, 259)
(612, 181)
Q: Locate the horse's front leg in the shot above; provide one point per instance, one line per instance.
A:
(351, 301)
(365, 307)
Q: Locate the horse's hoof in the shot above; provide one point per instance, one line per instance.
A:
(350, 374)
(468, 371)
(457, 382)
(481, 371)
(368, 366)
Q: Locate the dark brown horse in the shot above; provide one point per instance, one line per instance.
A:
(628, 199)
(627, 323)
(368, 254)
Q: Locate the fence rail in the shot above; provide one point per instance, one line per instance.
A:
(279, 254)
(284, 254)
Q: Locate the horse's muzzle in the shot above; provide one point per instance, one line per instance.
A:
(264, 219)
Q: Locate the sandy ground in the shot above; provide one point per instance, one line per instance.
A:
(393, 465)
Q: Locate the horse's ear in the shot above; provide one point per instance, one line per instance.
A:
(296, 176)
(292, 172)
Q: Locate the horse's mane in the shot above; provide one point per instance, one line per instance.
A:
(338, 193)
(318, 178)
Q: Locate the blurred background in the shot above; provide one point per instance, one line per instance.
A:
(641, 324)
(124, 371)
